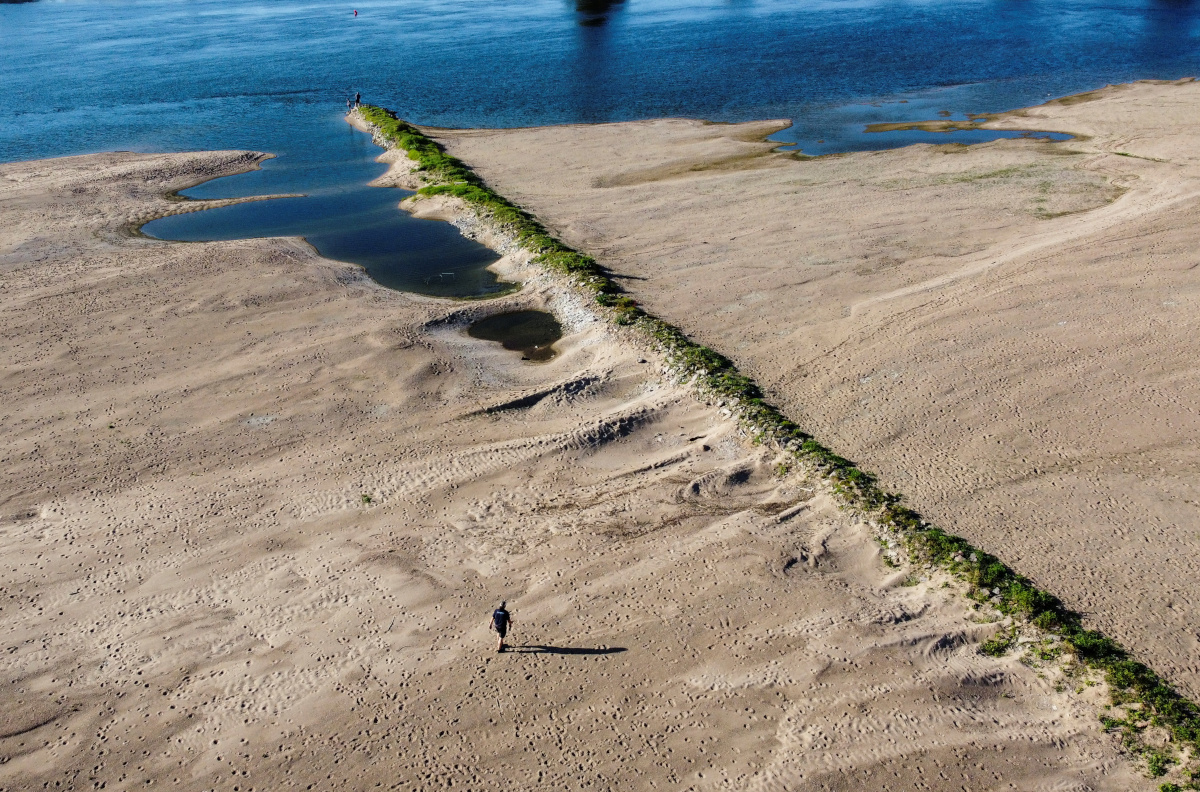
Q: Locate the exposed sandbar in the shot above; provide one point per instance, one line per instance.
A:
(256, 512)
(1005, 332)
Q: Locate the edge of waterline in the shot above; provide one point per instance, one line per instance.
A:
(253, 162)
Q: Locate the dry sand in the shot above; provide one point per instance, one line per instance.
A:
(197, 594)
(1008, 333)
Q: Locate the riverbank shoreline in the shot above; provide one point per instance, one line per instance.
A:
(257, 509)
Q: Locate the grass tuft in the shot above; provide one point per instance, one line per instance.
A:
(999, 644)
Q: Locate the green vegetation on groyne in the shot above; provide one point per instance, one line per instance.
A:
(718, 379)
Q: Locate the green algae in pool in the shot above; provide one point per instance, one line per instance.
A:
(532, 333)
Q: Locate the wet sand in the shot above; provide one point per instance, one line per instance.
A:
(257, 510)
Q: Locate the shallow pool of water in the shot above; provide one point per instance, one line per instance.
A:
(907, 137)
(347, 220)
(532, 333)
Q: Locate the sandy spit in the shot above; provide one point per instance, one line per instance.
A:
(1005, 332)
(254, 515)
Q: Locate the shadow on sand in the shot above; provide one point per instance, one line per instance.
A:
(565, 650)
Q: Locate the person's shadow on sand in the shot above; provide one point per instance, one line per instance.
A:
(565, 650)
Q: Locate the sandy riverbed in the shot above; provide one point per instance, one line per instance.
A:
(256, 512)
(1007, 333)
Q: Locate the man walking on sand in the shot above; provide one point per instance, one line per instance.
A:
(501, 619)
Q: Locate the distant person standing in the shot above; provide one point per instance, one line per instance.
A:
(501, 619)
(357, 97)
(349, 106)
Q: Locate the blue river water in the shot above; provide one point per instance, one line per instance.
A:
(80, 76)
